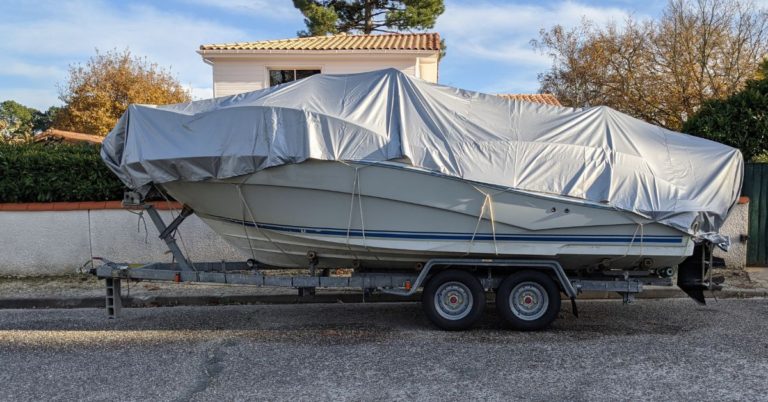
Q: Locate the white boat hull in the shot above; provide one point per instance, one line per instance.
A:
(394, 216)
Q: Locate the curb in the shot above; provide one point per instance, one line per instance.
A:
(662, 293)
(167, 301)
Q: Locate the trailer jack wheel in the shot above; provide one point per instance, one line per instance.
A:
(528, 300)
(453, 300)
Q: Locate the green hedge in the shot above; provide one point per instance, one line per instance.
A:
(35, 172)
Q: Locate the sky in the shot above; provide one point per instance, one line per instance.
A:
(488, 42)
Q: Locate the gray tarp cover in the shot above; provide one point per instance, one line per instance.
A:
(595, 154)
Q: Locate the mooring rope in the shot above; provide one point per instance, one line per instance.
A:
(487, 201)
(245, 228)
(256, 225)
(640, 227)
(141, 221)
(356, 191)
(351, 209)
(360, 206)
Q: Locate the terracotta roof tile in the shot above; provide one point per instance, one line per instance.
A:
(68, 136)
(415, 41)
(547, 99)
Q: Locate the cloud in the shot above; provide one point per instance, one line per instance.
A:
(511, 85)
(511, 53)
(63, 33)
(40, 99)
(20, 68)
(200, 92)
(489, 42)
(272, 9)
(503, 31)
(74, 30)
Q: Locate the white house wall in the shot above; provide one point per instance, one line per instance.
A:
(428, 68)
(232, 76)
(236, 76)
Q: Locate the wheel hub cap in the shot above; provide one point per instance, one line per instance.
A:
(528, 301)
(453, 300)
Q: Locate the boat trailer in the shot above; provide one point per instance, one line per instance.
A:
(490, 273)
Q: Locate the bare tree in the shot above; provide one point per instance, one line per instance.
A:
(660, 71)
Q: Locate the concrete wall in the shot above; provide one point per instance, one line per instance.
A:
(58, 242)
(736, 225)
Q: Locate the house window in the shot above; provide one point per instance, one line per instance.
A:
(277, 77)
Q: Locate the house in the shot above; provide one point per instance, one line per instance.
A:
(249, 66)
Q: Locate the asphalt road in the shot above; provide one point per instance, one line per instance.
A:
(654, 349)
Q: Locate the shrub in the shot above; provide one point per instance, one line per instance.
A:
(33, 172)
(740, 120)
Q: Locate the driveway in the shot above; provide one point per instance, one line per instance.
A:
(654, 349)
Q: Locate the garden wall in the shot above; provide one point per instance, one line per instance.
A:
(57, 238)
(736, 226)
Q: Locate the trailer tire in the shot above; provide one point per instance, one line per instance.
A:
(528, 300)
(453, 300)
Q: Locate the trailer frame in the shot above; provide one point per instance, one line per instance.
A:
(490, 272)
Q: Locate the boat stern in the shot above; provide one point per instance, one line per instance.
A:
(694, 274)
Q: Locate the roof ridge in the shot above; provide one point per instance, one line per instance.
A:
(377, 41)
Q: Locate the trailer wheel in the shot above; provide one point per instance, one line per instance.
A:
(453, 300)
(528, 300)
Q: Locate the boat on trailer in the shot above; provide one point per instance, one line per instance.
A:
(393, 216)
(421, 186)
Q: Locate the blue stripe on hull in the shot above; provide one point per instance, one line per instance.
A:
(387, 234)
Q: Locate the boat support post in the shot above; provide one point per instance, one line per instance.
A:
(307, 291)
(166, 232)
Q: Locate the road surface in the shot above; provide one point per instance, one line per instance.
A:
(654, 349)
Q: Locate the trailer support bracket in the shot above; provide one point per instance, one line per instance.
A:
(166, 233)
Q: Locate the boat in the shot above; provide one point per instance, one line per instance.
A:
(392, 215)
(386, 171)
(422, 186)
